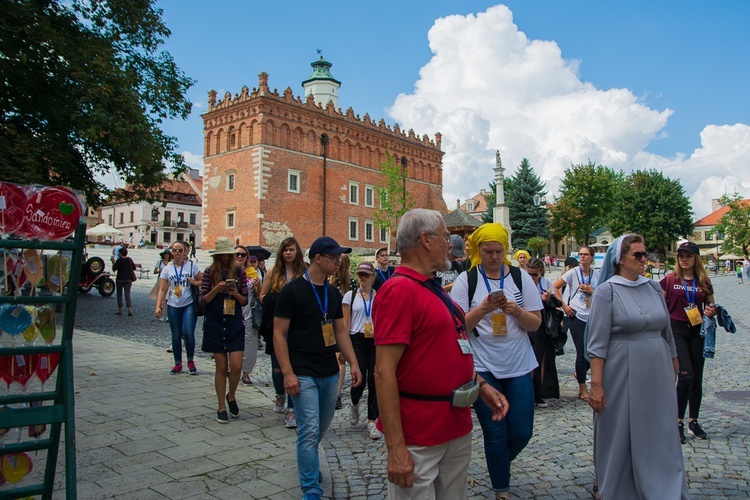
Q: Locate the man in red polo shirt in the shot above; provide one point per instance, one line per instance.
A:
(422, 356)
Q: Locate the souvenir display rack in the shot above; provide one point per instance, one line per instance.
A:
(52, 408)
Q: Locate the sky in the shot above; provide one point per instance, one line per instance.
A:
(629, 85)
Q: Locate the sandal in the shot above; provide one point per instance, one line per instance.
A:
(583, 396)
(595, 492)
(246, 380)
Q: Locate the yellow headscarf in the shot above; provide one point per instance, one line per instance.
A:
(492, 231)
(519, 252)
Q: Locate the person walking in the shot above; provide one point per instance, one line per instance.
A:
(502, 307)
(343, 281)
(223, 293)
(689, 295)
(522, 257)
(249, 264)
(289, 265)
(634, 366)
(357, 304)
(174, 290)
(382, 270)
(580, 283)
(424, 370)
(165, 258)
(125, 272)
(308, 326)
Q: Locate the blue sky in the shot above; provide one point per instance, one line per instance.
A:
(628, 84)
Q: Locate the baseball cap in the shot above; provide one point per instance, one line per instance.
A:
(327, 245)
(689, 246)
(457, 245)
(365, 267)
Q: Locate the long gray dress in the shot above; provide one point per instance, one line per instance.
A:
(637, 452)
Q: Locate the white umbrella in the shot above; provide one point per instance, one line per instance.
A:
(103, 230)
(730, 256)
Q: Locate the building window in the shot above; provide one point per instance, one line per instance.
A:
(230, 181)
(383, 235)
(154, 214)
(192, 219)
(469, 206)
(167, 237)
(354, 193)
(230, 220)
(353, 229)
(180, 216)
(369, 196)
(293, 181)
(131, 216)
(109, 219)
(180, 237)
(122, 218)
(369, 231)
(383, 195)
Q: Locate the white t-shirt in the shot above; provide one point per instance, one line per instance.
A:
(179, 276)
(357, 324)
(503, 356)
(576, 298)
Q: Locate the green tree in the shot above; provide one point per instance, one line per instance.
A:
(537, 244)
(526, 219)
(653, 206)
(393, 197)
(85, 91)
(735, 224)
(588, 196)
(491, 199)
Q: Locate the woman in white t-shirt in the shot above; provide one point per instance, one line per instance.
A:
(174, 289)
(497, 326)
(358, 320)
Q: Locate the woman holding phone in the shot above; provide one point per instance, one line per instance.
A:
(224, 293)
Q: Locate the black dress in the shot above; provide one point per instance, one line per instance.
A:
(222, 333)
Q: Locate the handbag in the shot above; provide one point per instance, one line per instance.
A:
(132, 270)
(195, 292)
(256, 312)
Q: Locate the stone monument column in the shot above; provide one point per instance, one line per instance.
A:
(501, 213)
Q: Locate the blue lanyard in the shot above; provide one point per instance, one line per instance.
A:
(368, 306)
(690, 299)
(179, 276)
(487, 282)
(323, 306)
(542, 291)
(386, 275)
(583, 280)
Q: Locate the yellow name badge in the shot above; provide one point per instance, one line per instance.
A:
(328, 337)
(588, 301)
(499, 324)
(368, 330)
(178, 291)
(229, 305)
(694, 315)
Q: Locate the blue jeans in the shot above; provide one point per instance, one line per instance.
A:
(504, 440)
(314, 406)
(182, 323)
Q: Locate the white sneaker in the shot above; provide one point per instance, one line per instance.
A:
(289, 420)
(354, 415)
(373, 431)
(278, 405)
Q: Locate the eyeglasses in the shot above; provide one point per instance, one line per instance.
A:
(335, 259)
(241, 254)
(640, 255)
(446, 236)
(177, 250)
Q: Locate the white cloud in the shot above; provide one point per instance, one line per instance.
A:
(487, 87)
(193, 160)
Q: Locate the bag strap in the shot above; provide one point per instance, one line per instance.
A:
(351, 304)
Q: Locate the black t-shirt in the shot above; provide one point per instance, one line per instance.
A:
(307, 351)
(124, 266)
(381, 276)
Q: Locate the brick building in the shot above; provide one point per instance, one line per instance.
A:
(276, 165)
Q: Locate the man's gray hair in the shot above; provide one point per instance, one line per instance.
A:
(413, 223)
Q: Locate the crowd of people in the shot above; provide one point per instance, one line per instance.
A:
(455, 327)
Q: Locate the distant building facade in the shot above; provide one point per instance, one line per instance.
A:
(277, 166)
(704, 235)
(177, 217)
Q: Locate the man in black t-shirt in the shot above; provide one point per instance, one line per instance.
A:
(382, 270)
(308, 325)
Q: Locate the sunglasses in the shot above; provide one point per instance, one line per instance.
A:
(533, 275)
(640, 255)
(241, 254)
(177, 250)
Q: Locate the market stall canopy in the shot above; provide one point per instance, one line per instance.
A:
(103, 230)
(730, 256)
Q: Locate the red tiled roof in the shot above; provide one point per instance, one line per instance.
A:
(479, 206)
(714, 217)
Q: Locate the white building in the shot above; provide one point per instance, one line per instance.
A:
(177, 217)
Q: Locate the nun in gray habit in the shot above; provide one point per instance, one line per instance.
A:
(637, 452)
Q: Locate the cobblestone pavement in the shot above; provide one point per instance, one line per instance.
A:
(557, 463)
